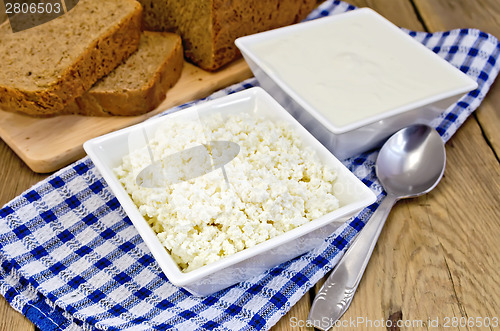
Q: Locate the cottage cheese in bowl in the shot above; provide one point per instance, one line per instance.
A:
(215, 216)
(274, 184)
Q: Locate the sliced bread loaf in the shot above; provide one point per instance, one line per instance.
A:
(209, 27)
(44, 68)
(139, 84)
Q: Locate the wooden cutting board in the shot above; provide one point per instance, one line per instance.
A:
(48, 144)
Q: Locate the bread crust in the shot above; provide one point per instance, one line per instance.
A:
(101, 57)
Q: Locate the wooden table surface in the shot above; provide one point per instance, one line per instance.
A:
(438, 257)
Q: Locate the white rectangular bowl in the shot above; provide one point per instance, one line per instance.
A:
(107, 152)
(351, 139)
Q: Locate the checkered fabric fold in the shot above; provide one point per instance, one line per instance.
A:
(71, 259)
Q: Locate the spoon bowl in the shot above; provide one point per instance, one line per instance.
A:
(409, 164)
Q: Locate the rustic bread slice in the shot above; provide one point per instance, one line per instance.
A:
(44, 68)
(139, 84)
(209, 27)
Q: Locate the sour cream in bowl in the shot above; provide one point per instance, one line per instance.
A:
(353, 79)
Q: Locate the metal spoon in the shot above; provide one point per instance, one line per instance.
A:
(409, 164)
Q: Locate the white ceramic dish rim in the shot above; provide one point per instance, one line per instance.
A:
(243, 42)
(167, 264)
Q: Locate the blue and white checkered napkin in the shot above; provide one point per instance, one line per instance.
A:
(70, 258)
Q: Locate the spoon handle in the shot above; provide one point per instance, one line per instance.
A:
(336, 294)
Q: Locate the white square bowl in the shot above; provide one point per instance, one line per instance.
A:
(353, 79)
(107, 152)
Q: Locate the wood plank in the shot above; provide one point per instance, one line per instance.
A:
(16, 176)
(488, 117)
(441, 15)
(48, 144)
(400, 12)
(11, 319)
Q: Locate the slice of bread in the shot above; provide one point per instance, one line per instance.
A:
(45, 68)
(139, 84)
(209, 27)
